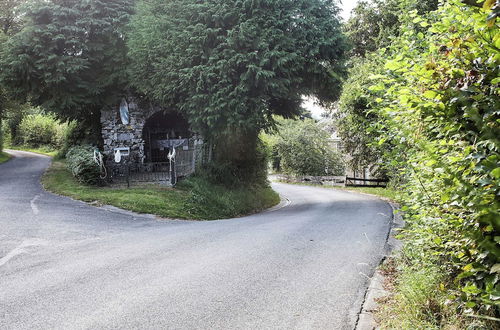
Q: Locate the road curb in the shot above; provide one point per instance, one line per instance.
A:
(375, 291)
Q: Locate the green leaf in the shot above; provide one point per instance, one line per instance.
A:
(495, 173)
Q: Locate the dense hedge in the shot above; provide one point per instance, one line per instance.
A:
(80, 161)
(303, 147)
(438, 104)
(40, 130)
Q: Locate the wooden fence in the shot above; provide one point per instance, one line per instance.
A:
(341, 181)
(361, 182)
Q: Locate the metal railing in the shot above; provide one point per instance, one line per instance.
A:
(127, 173)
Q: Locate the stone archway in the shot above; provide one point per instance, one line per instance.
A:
(148, 135)
(162, 131)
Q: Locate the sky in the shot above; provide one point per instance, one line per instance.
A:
(309, 104)
(347, 6)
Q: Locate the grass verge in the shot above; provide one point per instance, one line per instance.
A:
(193, 198)
(419, 298)
(4, 157)
(40, 150)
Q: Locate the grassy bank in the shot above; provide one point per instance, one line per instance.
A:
(4, 157)
(420, 297)
(40, 150)
(193, 198)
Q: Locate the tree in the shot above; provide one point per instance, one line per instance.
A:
(357, 125)
(70, 57)
(10, 16)
(372, 27)
(228, 66)
(374, 23)
(303, 147)
(438, 102)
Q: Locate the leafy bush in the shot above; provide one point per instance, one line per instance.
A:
(38, 129)
(1, 136)
(68, 136)
(80, 161)
(438, 102)
(303, 148)
(32, 128)
(230, 173)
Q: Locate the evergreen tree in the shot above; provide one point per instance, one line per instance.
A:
(70, 56)
(228, 66)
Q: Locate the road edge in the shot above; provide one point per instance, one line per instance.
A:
(375, 291)
(284, 202)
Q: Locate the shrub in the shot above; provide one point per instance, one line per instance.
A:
(68, 137)
(38, 129)
(438, 103)
(80, 161)
(1, 136)
(303, 148)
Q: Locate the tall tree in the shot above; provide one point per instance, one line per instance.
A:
(372, 27)
(374, 23)
(11, 15)
(70, 57)
(228, 66)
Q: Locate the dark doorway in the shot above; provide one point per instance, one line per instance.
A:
(163, 131)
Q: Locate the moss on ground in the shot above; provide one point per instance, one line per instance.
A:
(193, 198)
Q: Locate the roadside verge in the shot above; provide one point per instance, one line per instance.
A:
(376, 290)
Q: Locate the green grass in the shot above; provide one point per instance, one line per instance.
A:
(419, 300)
(44, 150)
(193, 198)
(4, 157)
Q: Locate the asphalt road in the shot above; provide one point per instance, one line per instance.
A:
(68, 265)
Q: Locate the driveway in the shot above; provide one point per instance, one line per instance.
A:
(67, 265)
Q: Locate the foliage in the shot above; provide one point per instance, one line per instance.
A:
(224, 172)
(70, 56)
(373, 24)
(228, 66)
(80, 161)
(355, 122)
(70, 135)
(438, 102)
(10, 16)
(302, 147)
(38, 129)
(194, 198)
(420, 299)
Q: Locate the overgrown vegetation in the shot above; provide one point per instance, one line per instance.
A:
(194, 198)
(30, 129)
(81, 163)
(229, 66)
(431, 114)
(67, 56)
(303, 147)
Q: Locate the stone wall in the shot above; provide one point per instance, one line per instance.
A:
(117, 135)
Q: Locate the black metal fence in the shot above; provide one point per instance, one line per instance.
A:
(127, 173)
(185, 164)
(361, 182)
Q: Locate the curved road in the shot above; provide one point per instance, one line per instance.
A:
(67, 265)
